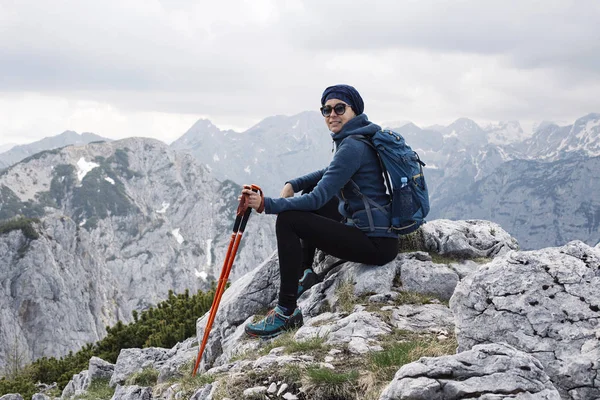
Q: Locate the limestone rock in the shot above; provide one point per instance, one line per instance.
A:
(467, 239)
(492, 371)
(433, 318)
(252, 293)
(359, 330)
(427, 278)
(132, 393)
(100, 369)
(121, 224)
(545, 303)
(11, 396)
(136, 360)
(76, 386)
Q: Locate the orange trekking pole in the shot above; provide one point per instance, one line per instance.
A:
(241, 219)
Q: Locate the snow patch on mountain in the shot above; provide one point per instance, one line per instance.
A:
(177, 235)
(83, 167)
(164, 208)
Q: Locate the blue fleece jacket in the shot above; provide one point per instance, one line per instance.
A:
(354, 160)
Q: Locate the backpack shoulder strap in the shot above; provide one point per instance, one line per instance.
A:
(367, 140)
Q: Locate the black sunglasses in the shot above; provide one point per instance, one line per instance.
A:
(339, 108)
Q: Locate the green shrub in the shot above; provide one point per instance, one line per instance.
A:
(22, 223)
(170, 322)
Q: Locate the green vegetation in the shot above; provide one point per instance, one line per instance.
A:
(11, 205)
(346, 298)
(63, 181)
(400, 348)
(146, 377)
(324, 384)
(41, 154)
(412, 242)
(97, 198)
(24, 224)
(170, 322)
(98, 390)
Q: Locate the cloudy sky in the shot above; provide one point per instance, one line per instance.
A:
(151, 68)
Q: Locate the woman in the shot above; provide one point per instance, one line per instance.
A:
(299, 219)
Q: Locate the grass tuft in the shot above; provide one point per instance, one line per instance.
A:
(346, 298)
(146, 377)
(99, 389)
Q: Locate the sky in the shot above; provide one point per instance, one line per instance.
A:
(151, 68)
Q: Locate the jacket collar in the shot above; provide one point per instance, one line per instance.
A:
(359, 125)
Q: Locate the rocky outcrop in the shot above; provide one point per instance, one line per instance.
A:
(121, 224)
(486, 372)
(545, 303)
(133, 392)
(78, 385)
(11, 396)
(467, 239)
(98, 369)
(131, 361)
(526, 323)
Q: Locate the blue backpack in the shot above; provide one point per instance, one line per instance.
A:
(403, 172)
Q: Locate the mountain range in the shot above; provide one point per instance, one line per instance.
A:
(459, 158)
(14, 154)
(120, 223)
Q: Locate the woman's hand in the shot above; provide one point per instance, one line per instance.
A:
(254, 199)
(287, 191)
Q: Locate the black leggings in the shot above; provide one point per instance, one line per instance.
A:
(330, 235)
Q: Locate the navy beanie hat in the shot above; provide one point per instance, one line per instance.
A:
(347, 94)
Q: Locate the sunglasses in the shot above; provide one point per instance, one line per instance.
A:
(339, 108)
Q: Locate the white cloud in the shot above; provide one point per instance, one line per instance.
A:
(152, 68)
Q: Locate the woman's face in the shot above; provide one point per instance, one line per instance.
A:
(334, 121)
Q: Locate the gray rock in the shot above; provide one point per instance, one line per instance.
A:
(40, 396)
(368, 278)
(77, 385)
(358, 330)
(11, 396)
(132, 393)
(100, 369)
(173, 392)
(271, 360)
(249, 295)
(464, 268)
(492, 371)
(136, 360)
(467, 239)
(182, 353)
(545, 303)
(255, 391)
(434, 318)
(164, 225)
(205, 392)
(428, 278)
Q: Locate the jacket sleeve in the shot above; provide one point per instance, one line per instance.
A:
(306, 181)
(345, 163)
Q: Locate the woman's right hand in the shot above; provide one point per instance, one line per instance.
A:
(287, 191)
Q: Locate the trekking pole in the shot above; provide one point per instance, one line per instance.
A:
(241, 219)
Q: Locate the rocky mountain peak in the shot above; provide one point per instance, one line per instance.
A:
(120, 224)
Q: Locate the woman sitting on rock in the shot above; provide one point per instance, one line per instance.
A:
(300, 219)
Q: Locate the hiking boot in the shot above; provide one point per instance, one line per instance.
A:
(308, 280)
(275, 323)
